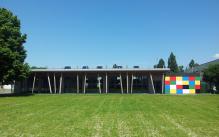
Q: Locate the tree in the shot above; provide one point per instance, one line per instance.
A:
(172, 64)
(12, 52)
(161, 64)
(211, 75)
(181, 68)
(191, 64)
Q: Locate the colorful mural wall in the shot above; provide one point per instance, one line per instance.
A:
(182, 84)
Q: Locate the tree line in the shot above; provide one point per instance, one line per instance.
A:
(173, 65)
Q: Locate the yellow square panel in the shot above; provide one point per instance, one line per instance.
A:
(192, 91)
(172, 91)
(185, 82)
(197, 82)
(178, 78)
(167, 78)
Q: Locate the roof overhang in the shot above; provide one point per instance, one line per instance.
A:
(102, 70)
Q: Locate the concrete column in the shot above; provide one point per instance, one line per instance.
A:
(78, 84)
(127, 83)
(50, 89)
(34, 79)
(106, 83)
(85, 79)
(60, 84)
(152, 83)
(54, 80)
(121, 84)
(163, 84)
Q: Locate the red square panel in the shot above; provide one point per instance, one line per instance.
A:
(167, 82)
(172, 78)
(191, 78)
(179, 86)
(197, 87)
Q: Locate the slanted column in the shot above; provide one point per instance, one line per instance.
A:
(78, 84)
(50, 89)
(60, 84)
(163, 83)
(152, 83)
(127, 83)
(54, 80)
(121, 84)
(106, 83)
(85, 79)
(34, 79)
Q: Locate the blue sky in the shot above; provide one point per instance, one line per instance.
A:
(125, 32)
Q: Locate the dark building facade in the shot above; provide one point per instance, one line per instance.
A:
(124, 81)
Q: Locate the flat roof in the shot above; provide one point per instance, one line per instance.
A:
(103, 70)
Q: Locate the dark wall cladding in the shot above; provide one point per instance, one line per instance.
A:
(94, 81)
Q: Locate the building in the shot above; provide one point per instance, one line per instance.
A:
(202, 67)
(206, 87)
(124, 81)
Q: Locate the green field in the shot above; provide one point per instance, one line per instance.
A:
(109, 115)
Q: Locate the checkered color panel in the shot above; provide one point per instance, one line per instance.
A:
(182, 84)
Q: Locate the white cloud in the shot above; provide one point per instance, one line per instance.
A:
(216, 56)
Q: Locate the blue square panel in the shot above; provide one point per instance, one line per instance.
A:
(179, 91)
(192, 83)
(185, 78)
(167, 87)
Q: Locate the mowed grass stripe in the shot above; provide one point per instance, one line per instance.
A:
(151, 112)
(41, 112)
(30, 116)
(109, 115)
(188, 115)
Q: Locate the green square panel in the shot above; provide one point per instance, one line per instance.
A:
(167, 92)
(197, 78)
(172, 82)
(191, 87)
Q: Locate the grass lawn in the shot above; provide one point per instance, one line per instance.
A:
(109, 115)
